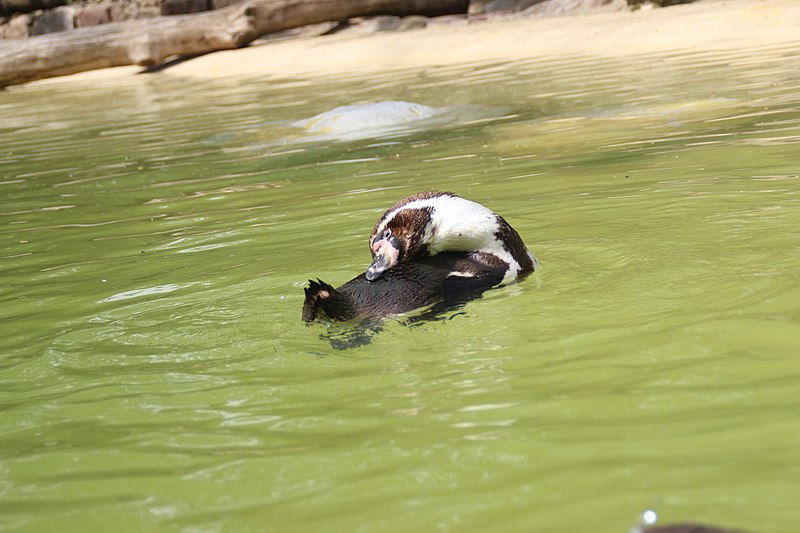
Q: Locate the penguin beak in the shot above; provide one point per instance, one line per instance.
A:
(387, 252)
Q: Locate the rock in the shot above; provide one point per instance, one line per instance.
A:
(54, 20)
(312, 30)
(184, 7)
(219, 4)
(414, 22)
(93, 14)
(138, 9)
(449, 20)
(376, 24)
(551, 8)
(480, 7)
(16, 27)
(362, 121)
(635, 4)
(367, 25)
(8, 7)
(118, 14)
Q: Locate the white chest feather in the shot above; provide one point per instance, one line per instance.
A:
(459, 225)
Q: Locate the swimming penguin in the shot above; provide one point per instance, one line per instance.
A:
(427, 224)
(429, 248)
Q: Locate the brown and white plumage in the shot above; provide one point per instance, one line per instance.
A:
(424, 225)
(430, 248)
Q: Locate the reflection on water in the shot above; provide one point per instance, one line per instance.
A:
(156, 373)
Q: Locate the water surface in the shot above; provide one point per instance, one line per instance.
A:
(157, 233)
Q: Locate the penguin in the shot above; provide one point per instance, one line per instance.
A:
(424, 225)
(429, 248)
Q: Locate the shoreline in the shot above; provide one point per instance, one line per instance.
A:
(714, 25)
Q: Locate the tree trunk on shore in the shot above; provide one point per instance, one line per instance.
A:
(148, 42)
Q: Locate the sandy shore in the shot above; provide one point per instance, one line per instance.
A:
(710, 25)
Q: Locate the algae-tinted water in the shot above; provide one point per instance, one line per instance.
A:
(157, 233)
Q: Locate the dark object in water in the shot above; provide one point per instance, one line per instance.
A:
(688, 528)
(402, 288)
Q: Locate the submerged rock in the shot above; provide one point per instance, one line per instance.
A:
(353, 119)
(386, 119)
(379, 120)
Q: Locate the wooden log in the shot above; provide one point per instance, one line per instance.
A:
(148, 42)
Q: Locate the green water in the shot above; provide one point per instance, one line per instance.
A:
(157, 232)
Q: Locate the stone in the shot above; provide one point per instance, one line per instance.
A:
(480, 7)
(15, 27)
(361, 121)
(449, 20)
(219, 4)
(552, 8)
(367, 25)
(658, 3)
(140, 9)
(184, 7)
(9, 7)
(93, 15)
(54, 20)
(303, 32)
(413, 22)
(379, 23)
